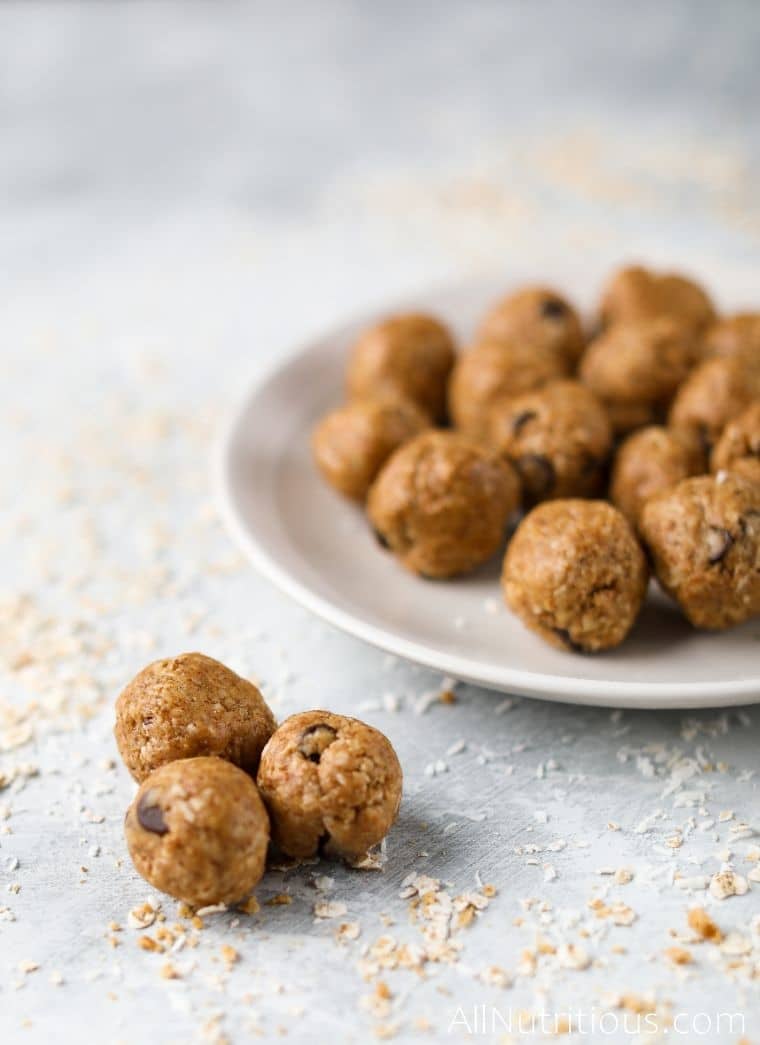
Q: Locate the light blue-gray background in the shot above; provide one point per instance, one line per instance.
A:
(185, 190)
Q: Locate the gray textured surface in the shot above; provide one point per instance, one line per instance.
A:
(184, 190)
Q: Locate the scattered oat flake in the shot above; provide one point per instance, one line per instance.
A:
(571, 956)
(678, 956)
(279, 900)
(329, 909)
(701, 922)
(727, 883)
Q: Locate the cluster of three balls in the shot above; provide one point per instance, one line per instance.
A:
(216, 776)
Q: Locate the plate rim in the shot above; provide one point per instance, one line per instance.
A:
(551, 687)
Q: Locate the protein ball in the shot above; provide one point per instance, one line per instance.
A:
(409, 357)
(557, 438)
(190, 705)
(635, 368)
(538, 315)
(635, 293)
(738, 449)
(714, 393)
(351, 444)
(442, 502)
(198, 830)
(652, 460)
(575, 574)
(704, 538)
(332, 785)
(493, 369)
(737, 335)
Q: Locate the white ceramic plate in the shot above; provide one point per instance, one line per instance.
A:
(318, 549)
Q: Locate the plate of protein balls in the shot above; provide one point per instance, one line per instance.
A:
(547, 485)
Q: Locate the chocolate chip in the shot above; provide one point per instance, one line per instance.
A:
(537, 473)
(553, 308)
(564, 635)
(315, 739)
(522, 419)
(719, 542)
(150, 816)
(380, 539)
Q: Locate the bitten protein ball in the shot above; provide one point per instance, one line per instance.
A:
(351, 444)
(737, 335)
(198, 830)
(408, 357)
(442, 502)
(738, 449)
(636, 293)
(704, 539)
(635, 368)
(538, 315)
(493, 369)
(558, 438)
(575, 574)
(714, 393)
(332, 785)
(651, 460)
(190, 705)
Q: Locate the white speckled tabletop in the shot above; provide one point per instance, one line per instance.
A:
(185, 191)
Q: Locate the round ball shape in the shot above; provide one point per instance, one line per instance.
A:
(190, 705)
(332, 785)
(575, 574)
(198, 830)
(442, 502)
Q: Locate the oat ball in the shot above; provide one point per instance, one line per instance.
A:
(442, 502)
(704, 538)
(558, 439)
(409, 357)
(575, 574)
(190, 705)
(738, 449)
(638, 366)
(332, 785)
(737, 335)
(493, 369)
(198, 830)
(714, 393)
(651, 460)
(636, 293)
(538, 315)
(351, 444)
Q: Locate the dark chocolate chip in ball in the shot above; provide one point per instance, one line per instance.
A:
(553, 308)
(380, 539)
(150, 816)
(315, 740)
(522, 419)
(564, 635)
(537, 473)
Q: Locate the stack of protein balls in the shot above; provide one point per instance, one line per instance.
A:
(216, 775)
(638, 445)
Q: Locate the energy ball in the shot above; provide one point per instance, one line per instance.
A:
(409, 357)
(352, 443)
(636, 293)
(557, 438)
(738, 449)
(442, 502)
(540, 316)
(332, 785)
(651, 460)
(704, 538)
(638, 365)
(190, 705)
(575, 574)
(493, 369)
(198, 830)
(737, 335)
(714, 393)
